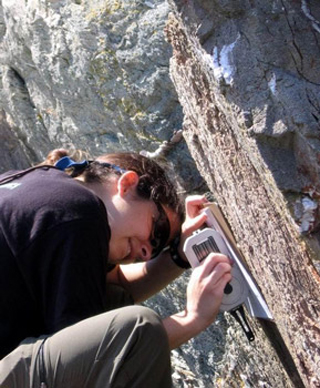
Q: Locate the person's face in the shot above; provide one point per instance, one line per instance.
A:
(136, 224)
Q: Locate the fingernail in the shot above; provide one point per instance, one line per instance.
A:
(209, 197)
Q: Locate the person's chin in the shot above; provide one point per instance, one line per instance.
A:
(123, 257)
(126, 260)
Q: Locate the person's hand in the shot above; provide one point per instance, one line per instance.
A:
(206, 289)
(195, 218)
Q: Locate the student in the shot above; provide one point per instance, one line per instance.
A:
(82, 243)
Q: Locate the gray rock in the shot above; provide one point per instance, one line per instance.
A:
(244, 78)
(92, 76)
(95, 75)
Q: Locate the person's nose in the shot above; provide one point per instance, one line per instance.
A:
(145, 251)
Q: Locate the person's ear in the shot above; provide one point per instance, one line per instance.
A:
(127, 182)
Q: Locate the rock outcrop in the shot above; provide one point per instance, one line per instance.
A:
(95, 75)
(83, 68)
(248, 78)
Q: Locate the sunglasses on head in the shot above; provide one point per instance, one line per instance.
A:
(160, 232)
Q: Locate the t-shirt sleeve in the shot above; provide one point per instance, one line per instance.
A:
(72, 273)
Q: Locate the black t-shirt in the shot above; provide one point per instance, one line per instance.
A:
(54, 238)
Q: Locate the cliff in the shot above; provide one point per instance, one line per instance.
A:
(89, 74)
(98, 75)
(247, 76)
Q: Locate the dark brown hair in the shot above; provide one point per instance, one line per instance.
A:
(153, 181)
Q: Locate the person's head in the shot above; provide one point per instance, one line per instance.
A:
(144, 210)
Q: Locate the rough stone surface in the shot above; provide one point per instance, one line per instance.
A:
(81, 68)
(95, 75)
(92, 75)
(12, 149)
(245, 98)
(264, 58)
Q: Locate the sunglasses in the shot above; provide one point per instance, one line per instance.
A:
(160, 232)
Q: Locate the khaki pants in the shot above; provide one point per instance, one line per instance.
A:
(123, 348)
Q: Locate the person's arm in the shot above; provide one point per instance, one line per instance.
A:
(142, 280)
(204, 295)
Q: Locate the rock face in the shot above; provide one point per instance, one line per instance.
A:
(264, 60)
(95, 75)
(248, 77)
(12, 150)
(83, 69)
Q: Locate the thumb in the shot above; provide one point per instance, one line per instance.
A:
(195, 223)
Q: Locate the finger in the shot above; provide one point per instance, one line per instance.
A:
(219, 271)
(212, 269)
(195, 223)
(220, 285)
(196, 198)
(218, 279)
(214, 259)
(194, 204)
